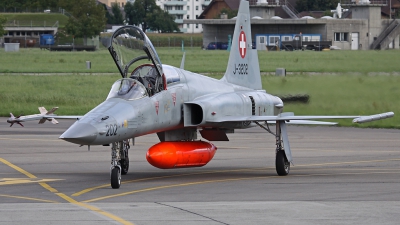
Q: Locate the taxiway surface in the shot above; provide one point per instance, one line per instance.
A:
(340, 176)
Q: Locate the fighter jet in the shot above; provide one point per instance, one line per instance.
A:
(152, 97)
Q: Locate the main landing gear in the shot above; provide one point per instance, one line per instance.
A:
(119, 162)
(282, 165)
(283, 152)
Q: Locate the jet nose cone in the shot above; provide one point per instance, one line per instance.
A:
(80, 133)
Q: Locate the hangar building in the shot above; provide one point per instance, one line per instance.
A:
(364, 31)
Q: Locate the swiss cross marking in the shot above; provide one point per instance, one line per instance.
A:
(242, 44)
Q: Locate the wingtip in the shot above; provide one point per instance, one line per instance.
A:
(381, 116)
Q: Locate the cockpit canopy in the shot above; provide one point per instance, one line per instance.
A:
(128, 89)
(128, 45)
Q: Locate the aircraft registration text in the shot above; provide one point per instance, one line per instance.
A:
(241, 69)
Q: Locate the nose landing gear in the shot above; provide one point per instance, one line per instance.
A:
(119, 162)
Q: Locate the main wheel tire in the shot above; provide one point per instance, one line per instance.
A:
(124, 165)
(115, 178)
(281, 163)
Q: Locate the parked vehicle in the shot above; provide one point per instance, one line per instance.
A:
(217, 45)
(46, 39)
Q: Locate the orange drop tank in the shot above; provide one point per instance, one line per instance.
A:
(179, 154)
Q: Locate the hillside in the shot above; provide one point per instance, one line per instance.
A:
(35, 19)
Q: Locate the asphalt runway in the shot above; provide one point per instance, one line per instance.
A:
(340, 176)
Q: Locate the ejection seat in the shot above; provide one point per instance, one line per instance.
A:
(147, 75)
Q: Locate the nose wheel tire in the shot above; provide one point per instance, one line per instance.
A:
(115, 178)
(282, 165)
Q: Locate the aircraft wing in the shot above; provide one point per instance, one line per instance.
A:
(306, 120)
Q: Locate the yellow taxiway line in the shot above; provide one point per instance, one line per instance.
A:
(172, 186)
(11, 181)
(167, 176)
(19, 169)
(94, 209)
(228, 180)
(61, 195)
(28, 198)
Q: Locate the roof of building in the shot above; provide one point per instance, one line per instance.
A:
(315, 14)
(232, 4)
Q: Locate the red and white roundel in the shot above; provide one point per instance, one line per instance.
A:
(242, 44)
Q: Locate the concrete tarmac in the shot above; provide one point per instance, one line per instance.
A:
(340, 176)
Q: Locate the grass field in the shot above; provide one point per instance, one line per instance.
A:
(348, 88)
(341, 95)
(204, 61)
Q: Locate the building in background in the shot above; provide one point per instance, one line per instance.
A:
(185, 9)
(364, 26)
(120, 3)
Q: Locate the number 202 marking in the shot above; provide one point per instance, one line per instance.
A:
(111, 130)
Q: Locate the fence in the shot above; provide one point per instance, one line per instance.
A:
(196, 41)
(29, 10)
(31, 23)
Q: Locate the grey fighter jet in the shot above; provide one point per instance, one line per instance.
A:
(152, 97)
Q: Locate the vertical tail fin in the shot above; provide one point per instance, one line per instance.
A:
(243, 68)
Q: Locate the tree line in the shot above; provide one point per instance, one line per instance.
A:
(316, 5)
(10, 5)
(89, 18)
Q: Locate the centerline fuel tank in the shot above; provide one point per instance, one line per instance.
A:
(179, 154)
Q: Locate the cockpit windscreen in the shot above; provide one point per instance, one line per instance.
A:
(127, 88)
